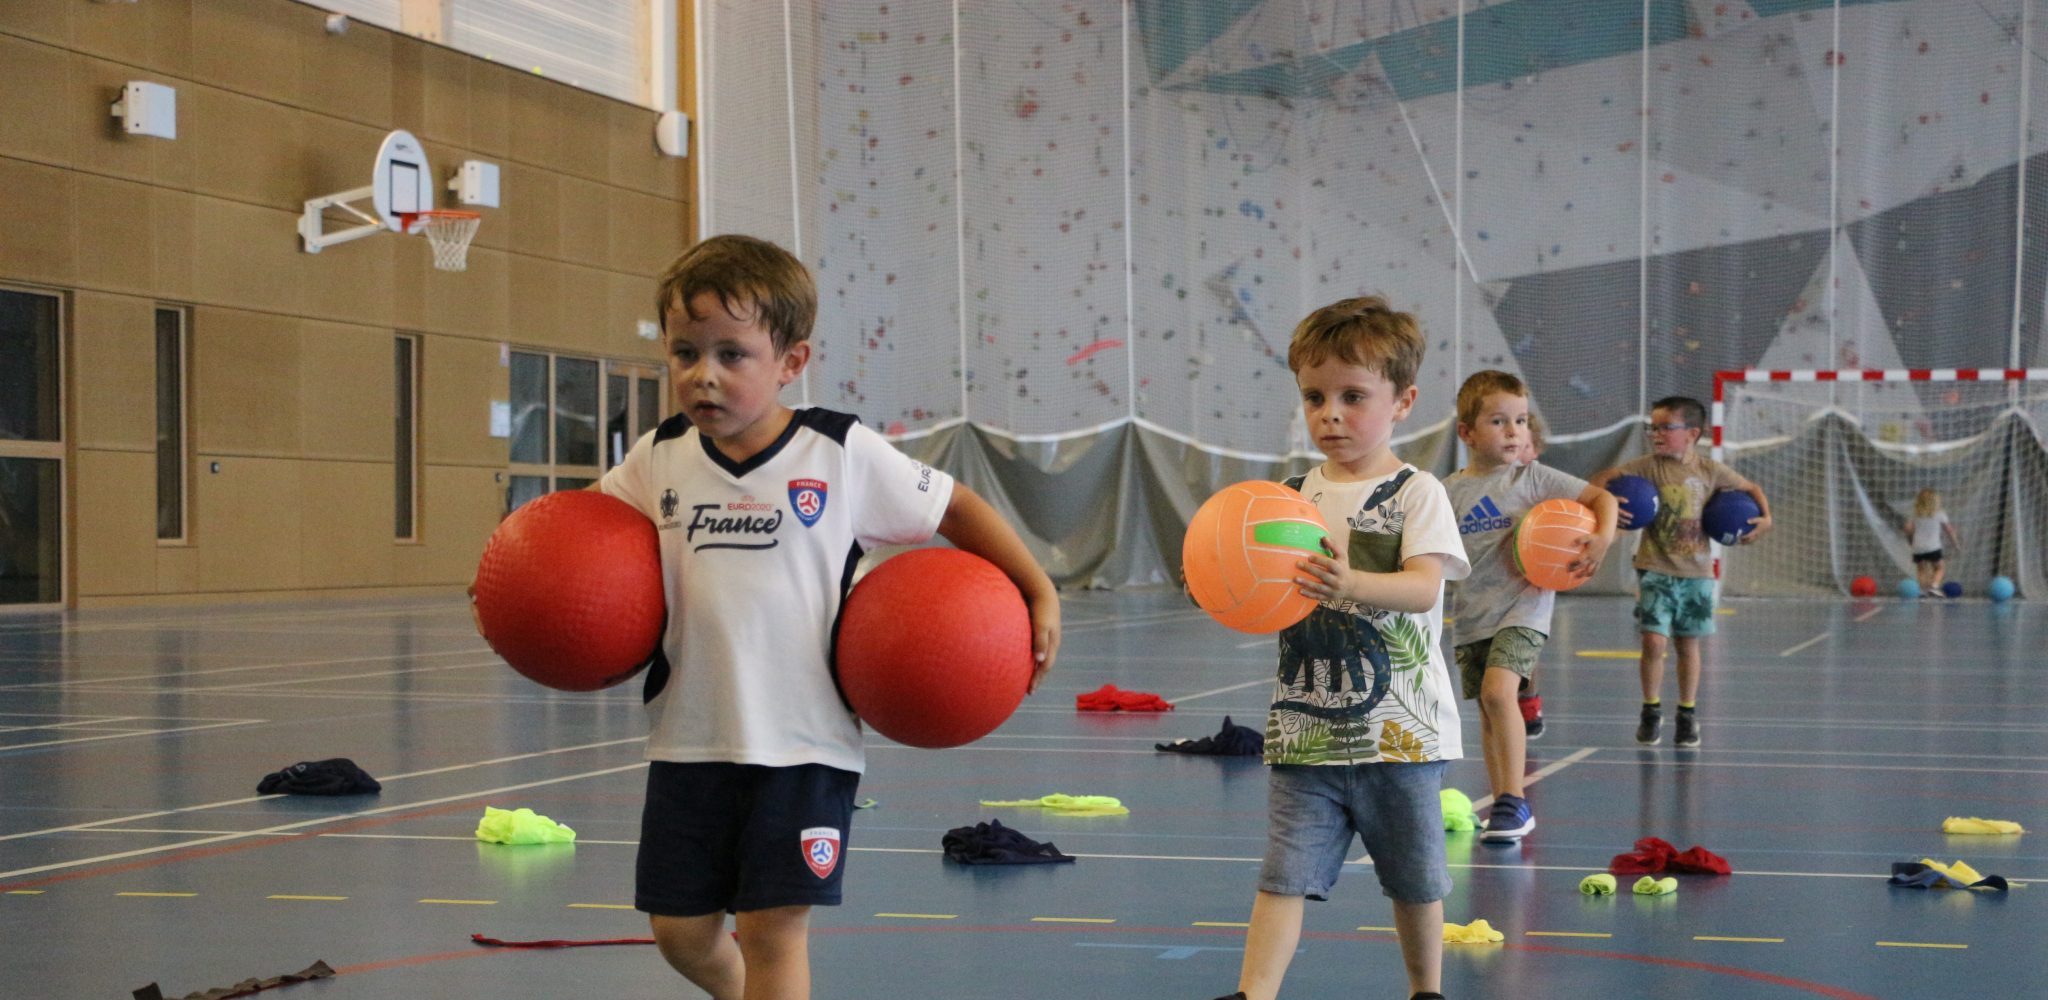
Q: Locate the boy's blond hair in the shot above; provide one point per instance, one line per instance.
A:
(1472, 395)
(744, 271)
(1363, 331)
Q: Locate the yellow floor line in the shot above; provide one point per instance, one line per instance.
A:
(462, 902)
(1219, 923)
(1919, 944)
(1073, 920)
(1388, 930)
(600, 906)
(920, 916)
(313, 898)
(1724, 611)
(159, 895)
(1610, 654)
(24, 892)
(1738, 940)
(1583, 934)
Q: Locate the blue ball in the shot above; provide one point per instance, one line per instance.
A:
(2001, 589)
(1909, 589)
(1951, 589)
(1638, 498)
(1726, 516)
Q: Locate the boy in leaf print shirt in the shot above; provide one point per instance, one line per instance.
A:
(1364, 716)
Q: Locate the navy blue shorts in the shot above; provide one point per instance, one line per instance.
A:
(719, 838)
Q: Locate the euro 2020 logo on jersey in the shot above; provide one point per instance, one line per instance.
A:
(821, 850)
(807, 498)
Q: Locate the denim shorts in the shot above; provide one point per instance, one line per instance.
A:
(1674, 605)
(1393, 808)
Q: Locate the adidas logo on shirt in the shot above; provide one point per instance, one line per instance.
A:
(1483, 516)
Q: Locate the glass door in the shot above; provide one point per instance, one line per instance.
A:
(632, 406)
(31, 449)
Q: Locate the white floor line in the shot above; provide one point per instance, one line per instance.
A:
(131, 734)
(1479, 805)
(1803, 645)
(317, 821)
(1112, 624)
(1255, 643)
(326, 678)
(1221, 690)
(258, 798)
(245, 668)
(1872, 613)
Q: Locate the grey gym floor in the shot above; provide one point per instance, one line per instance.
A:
(1838, 736)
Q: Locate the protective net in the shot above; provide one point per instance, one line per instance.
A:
(1844, 462)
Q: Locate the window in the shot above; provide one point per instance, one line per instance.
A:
(571, 420)
(405, 437)
(171, 323)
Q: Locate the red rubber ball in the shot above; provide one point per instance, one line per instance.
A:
(935, 648)
(569, 590)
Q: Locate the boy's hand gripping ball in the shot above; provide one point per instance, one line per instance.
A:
(934, 648)
(1241, 553)
(569, 590)
(1638, 498)
(1548, 540)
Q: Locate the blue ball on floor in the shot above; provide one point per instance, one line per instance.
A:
(1951, 589)
(2001, 589)
(1909, 589)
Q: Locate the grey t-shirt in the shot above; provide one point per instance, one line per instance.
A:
(1488, 507)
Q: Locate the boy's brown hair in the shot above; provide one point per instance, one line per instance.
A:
(1363, 331)
(1481, 384)
(745, 271)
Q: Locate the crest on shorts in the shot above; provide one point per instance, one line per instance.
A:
(807, 498)
(821, 850)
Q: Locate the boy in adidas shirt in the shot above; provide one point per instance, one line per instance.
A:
(762, 513)
(1499, 620)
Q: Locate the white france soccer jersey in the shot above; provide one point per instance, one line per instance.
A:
(756, 558)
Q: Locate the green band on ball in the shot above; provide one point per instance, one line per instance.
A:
(1292, 534)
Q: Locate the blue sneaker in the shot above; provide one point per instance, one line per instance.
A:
(1510, 820)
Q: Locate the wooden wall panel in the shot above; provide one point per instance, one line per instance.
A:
(290, 383)
(245, 383)
(113, 338)
(116, 532)
(347, 392)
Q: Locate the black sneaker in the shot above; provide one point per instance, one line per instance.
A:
(1651, 729)
(1234, 996)
(1427, 996)
(1511, 820)
(1531, 706)
(1688, 734)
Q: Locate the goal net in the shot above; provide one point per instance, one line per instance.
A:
(1843, 455)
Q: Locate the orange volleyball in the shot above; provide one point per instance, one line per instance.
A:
(1548, 540)
(1241, 555)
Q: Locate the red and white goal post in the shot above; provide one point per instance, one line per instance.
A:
(1844, 455)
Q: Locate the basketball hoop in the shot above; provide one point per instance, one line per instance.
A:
(449, 232)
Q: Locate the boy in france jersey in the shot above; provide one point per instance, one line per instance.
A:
(762, 512)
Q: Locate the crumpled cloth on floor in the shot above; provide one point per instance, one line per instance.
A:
(1598, 885)
(1971, 824)
(1650, 885)
(521, 826)
(1458, 814)
(992, 843)
(1108, 698)
(247, 987)
(333, 776)
(1653, 855)
(1928, 873)
(1476, 932)
(1231, 741)
(1066, 805)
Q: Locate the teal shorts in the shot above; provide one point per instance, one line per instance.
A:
(1674, 605)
